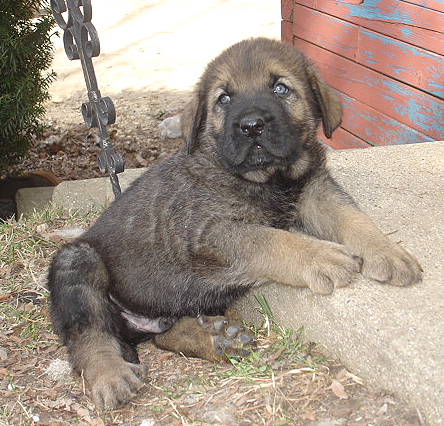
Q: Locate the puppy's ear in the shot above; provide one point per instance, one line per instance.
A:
(328, 102)
(192, 120)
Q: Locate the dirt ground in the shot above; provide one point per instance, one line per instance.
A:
(283, 384)
(69, 149)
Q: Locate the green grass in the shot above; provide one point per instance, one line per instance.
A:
(24, 241)
(278, 348)
(25, 253)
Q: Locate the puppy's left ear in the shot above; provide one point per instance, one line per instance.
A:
(192, 121)
(328, 102)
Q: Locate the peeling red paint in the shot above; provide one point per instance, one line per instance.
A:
(386, 57)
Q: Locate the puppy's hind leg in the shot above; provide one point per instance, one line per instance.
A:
(82, 315)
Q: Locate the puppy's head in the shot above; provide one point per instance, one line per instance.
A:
(258, 105)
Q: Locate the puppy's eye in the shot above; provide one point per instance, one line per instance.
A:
(281, 89)
(224, 99)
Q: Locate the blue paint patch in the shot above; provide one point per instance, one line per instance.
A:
(371, 9)
(425, 112)
(368, 54)
(387, 40)
(398, 70)
(438, 89)
(427, 57)
(406, 32)
(402, 135)
(388, 98)
(437, 81)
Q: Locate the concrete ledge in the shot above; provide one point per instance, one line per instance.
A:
(391, 337)
(82, 195)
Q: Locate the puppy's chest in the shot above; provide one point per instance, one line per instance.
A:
(278, 206)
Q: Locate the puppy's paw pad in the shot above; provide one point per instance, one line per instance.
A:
(229, 339)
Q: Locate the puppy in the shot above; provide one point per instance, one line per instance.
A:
(248, 201)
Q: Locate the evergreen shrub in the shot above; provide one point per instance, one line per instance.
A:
(26, 52)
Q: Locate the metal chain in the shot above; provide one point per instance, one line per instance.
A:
(81, 41)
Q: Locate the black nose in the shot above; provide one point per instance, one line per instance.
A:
(252, 126)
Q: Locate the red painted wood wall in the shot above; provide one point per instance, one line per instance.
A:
(386, 60)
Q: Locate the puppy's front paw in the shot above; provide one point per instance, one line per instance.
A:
(391, 264)
(115, 383)
(330, 266)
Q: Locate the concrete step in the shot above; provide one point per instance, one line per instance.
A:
(82, 195)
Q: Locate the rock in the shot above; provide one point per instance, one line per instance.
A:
(170, 127)
(3, 354)
(59, 371)
(222, 415)
(147, 422)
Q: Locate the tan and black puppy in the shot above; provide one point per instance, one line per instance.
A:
(248, 201)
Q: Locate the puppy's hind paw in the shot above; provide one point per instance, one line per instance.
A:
(229, 339)
(214, 338)
(117, 385)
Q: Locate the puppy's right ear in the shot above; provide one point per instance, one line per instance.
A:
(192, 122)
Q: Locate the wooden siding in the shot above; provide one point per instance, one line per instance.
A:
(386, 59)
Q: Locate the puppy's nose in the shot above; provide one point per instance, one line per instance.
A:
(252, 126)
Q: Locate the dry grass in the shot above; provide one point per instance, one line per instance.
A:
(284, 382)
